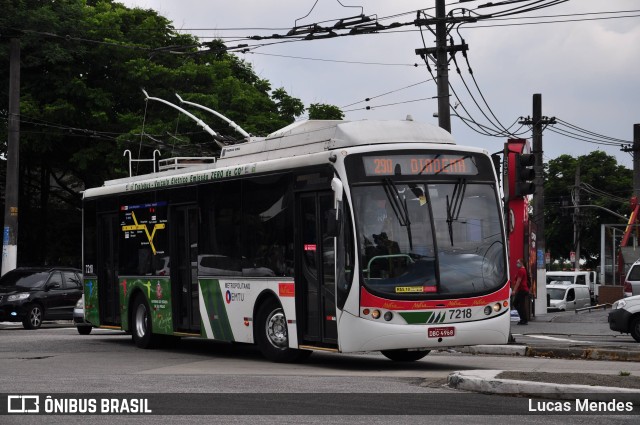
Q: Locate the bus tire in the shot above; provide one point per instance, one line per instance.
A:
(271, 334)
(404, 355)
(84, 330)
(33, 318)
(141, 325)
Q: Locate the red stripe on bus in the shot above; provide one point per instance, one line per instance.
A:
(368, 300)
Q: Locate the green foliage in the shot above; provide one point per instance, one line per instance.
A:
(602, 172)
(320, 111)
(83, 65)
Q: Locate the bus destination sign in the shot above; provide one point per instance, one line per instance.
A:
(419, 164)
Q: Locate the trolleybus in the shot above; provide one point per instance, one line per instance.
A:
(326, 235)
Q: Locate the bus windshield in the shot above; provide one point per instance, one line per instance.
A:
(429, 239)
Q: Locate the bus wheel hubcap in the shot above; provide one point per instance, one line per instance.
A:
(141, 320)
(277, 329)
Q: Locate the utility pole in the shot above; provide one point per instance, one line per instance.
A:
(439, 56)
(636, 160)
(442, 67)
(10, 231)
(538, 197)
(576, 221)
(538, 123)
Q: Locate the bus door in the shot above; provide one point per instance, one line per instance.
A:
(184, 268)
(107, 271)
(315, 274)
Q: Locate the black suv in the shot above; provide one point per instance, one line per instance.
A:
(31, 295)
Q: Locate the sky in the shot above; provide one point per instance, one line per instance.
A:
(586, 70)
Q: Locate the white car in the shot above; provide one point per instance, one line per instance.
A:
(625, 316)
(568, 297)
(84, 327)
(632, 280)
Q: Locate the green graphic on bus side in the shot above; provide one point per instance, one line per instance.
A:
(157, 292)
(215, 310)
(91, 311)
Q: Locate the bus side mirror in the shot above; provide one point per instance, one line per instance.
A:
(333, 222)
(333, 216)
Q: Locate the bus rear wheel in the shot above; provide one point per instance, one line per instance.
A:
(141, 324)
(272, 334)
(84, 330)
(404, 355)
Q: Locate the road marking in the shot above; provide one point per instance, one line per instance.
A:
(556, 339)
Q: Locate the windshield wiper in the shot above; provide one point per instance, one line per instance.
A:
(399, 208)
(453, 208)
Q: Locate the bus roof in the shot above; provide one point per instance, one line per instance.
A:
(299, 139)
(312, 136)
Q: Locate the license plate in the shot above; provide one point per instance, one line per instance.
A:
(441, 332)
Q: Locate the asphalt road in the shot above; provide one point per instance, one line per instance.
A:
(355, 388)
(571, 329)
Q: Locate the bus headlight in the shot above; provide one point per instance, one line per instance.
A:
(497, 307)
(388, 316)
(488, 310)
(375, 314)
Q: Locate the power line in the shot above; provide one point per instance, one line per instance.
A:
(582, 137)
(367, 108)
(384, 94)
(593, 133)
(414, 65)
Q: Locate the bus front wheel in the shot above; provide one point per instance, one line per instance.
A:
(404, 355)
(271, 334)
(141, 323)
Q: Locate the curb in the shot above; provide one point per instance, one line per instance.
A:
(484, 381)
(499, 350)
(585, 353)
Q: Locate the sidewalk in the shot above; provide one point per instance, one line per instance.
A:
(604, 345)
(585, 353)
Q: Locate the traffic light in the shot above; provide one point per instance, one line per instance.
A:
(524, 174)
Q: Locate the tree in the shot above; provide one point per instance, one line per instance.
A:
(601, 172)
(83, 65)
(319, 111)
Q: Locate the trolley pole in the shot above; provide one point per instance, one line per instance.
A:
(10, 231)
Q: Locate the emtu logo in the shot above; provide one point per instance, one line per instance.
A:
(23, 404)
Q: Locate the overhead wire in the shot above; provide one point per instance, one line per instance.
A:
(414, 65)
(502, 129)
(386, 93)
(575, 127)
